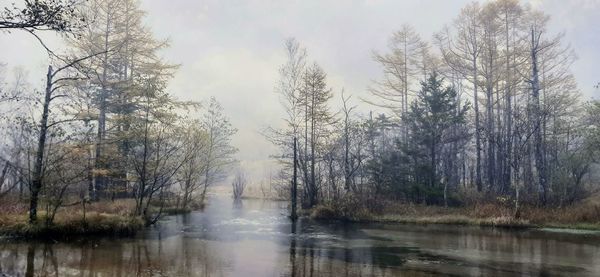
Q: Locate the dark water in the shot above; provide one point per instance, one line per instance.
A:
(254, 238)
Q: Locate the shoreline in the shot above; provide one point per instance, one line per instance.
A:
(95, 225)
(74, 226)
(120, 225)
(500, 222)
(484, 216)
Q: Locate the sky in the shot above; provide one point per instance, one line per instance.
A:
(232, 49)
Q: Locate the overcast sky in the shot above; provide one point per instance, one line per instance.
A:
(232, 49)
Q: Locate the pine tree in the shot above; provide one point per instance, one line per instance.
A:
(430, 119)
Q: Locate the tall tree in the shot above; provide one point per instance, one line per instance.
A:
(130, 59)
(289, 89)
(55, 83)
(407, 62)
(431, 118)
(509, 13)
(315, 97)
(348, 170)
(461, 50)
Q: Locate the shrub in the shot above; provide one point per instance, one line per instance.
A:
(323, 212)
(349, 207)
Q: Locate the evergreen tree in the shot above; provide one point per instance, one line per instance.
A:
(431, 118)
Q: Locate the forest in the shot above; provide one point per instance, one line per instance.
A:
(486, 115)
(103, 128)
(483, 120)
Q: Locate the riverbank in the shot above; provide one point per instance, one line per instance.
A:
(584, 216)
(214, 238)
(94, 224)
(104, 218)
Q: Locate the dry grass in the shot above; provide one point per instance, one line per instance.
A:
(346, 208)
(118, 206)
(585, 215)
(502, 221)
(322, 212)
(66, 226)
(111, 218)
(582, 216)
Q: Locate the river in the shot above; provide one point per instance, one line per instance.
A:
(255, 238)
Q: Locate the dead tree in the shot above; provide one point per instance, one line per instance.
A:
(53, 84)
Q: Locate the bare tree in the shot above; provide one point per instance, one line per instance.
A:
(54, 84)
(191, 174)
(407, 62)
(158, 156)
(315, 97)
(461, 50)
(289, 90)
(353, 141)
(238, 185)
(219, 151)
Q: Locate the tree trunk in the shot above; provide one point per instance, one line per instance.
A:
(478, 180)
(294, 183)
(537, 115)
(313, 179)
(37, 181)
(491, 161)
(99, 180)
(346, 155)
(508, 114)
(432, 173)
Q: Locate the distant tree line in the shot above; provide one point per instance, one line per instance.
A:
(488, 109)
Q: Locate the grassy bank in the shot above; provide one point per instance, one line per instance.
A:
(583, 216)
(94, 224)
(104, 218)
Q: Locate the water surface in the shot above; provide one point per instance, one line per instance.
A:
(254, 238)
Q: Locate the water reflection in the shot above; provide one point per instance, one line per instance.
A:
(293, 248)
(255, 238)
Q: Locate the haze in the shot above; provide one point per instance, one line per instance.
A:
(233, 49)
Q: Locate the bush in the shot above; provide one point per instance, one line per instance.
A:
(322, 212)
(349, 207)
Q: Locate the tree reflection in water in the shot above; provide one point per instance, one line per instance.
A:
(255, 238)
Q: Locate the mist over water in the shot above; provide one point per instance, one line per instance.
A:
(255, 238)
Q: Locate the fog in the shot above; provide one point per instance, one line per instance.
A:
(232, 50)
